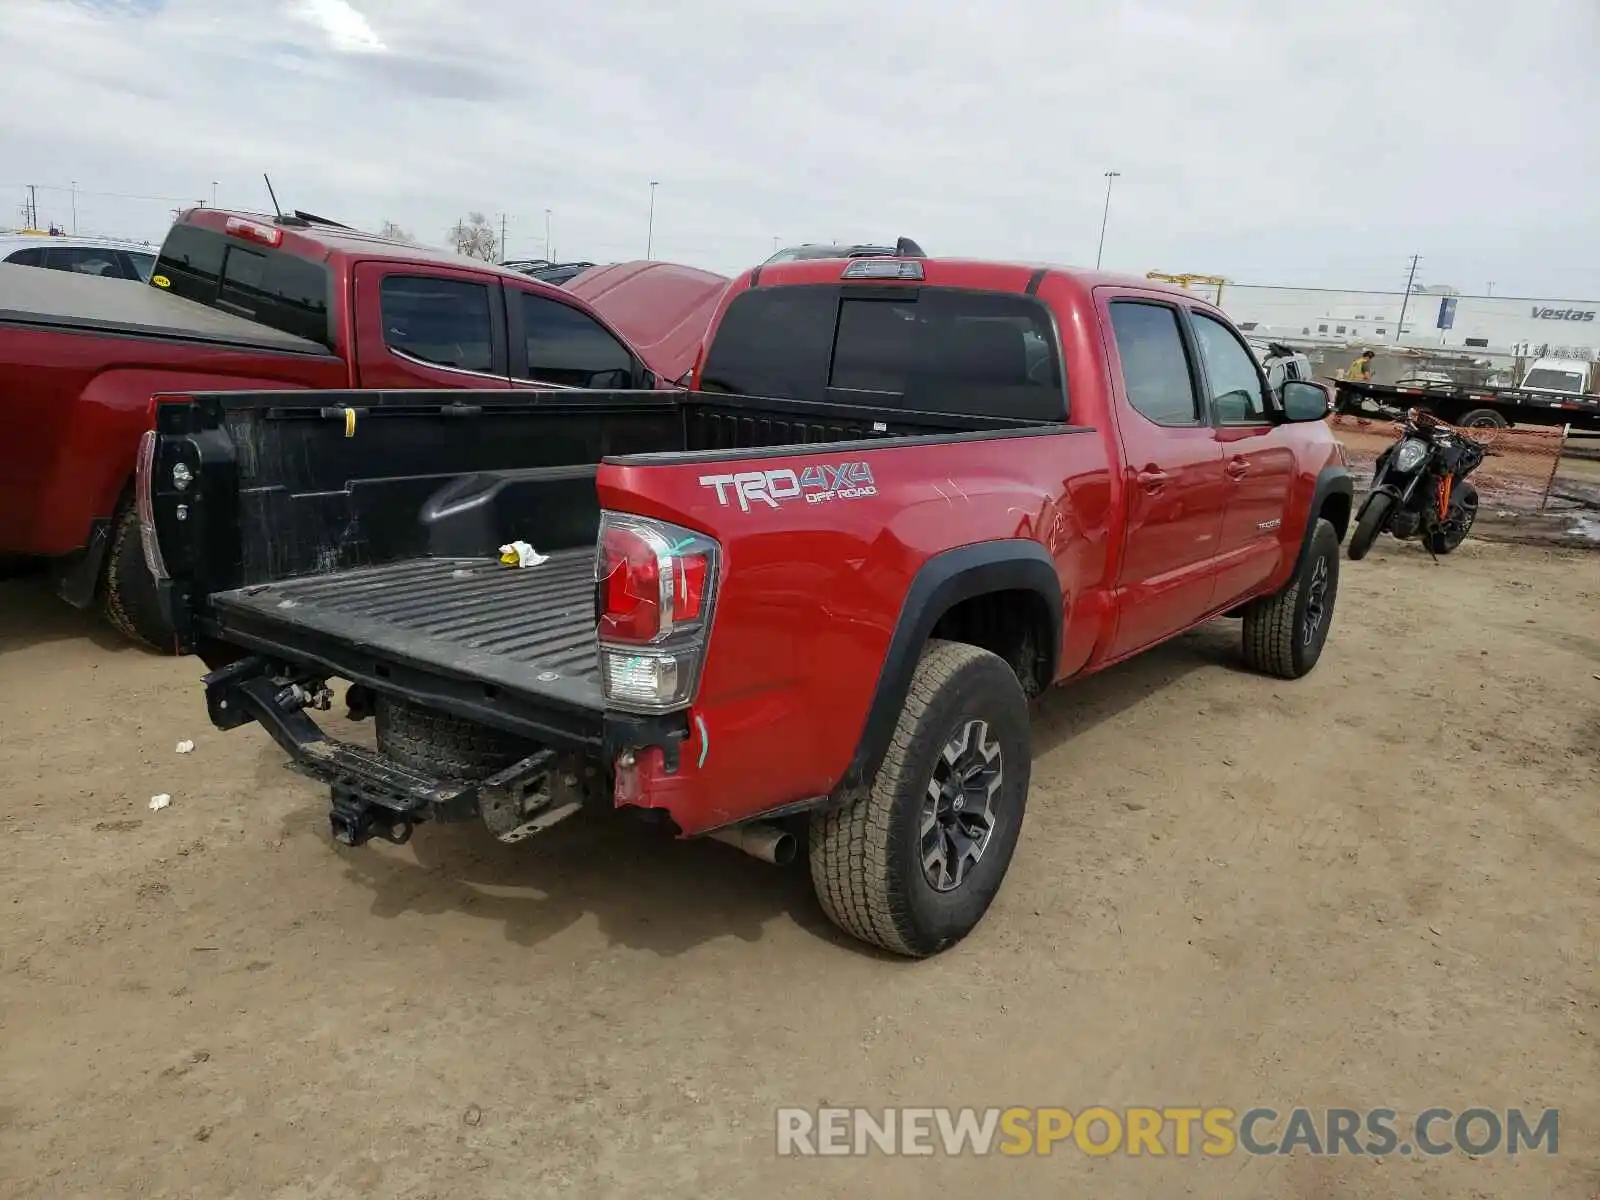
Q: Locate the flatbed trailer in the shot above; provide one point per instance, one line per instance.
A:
(1475, 407)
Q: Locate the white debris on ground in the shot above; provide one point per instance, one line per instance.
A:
(157, 803)
(185, 746)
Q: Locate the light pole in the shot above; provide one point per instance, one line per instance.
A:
(1104, 217)
(1491, 287)
(547, 253)
(650, 230)
(213, 193)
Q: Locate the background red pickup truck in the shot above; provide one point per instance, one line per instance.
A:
(904, 496)
(244, 301)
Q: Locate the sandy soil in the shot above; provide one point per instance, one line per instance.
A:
(1378, 886)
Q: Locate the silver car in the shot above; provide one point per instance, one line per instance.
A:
(83, 255)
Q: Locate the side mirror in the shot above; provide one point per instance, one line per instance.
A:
(1305, 400)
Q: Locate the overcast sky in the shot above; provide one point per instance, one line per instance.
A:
(1254, 140)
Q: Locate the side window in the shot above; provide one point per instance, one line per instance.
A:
(1235, 382)
(570, 348)
(31, 256)
(1155, 368)
(142, 265)
(84, 260)
(444, 322)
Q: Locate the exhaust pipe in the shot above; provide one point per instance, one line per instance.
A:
(761, 839)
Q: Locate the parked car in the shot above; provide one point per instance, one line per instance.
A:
(903, 247)
(546, 271)
(824, 582)
(241, 300)
(662, 308)
(85, 256)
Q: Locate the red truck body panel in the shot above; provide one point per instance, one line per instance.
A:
(67, 449)
(1152, 531)
(662, 308)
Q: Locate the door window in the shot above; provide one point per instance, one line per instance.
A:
(1155, 367)
(444, 322)
(570, 348)
(1231, 372)
(32, 256)
(143, 265)
(83, 260)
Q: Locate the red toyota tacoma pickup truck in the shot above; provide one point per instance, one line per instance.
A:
(904, 497)
(244, 301)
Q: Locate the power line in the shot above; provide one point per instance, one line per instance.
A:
(57, 187)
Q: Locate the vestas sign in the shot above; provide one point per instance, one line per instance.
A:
(1562, 314)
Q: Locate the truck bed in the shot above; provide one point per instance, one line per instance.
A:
(61, 300)
(530, 630)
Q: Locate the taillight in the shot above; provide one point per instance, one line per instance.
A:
(144, 502)
(654, 586)
(255, 231)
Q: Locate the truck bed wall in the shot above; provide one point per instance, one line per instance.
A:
(414, 479)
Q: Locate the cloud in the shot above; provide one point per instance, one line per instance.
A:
(1267, 142)
(346, 28)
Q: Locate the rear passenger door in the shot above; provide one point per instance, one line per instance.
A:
(559, 345)
(1258, 464)
(1172, 467)
(428, 328)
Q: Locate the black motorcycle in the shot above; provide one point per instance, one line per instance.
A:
(1420, 485)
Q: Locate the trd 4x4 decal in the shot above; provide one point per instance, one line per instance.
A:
(818, 485)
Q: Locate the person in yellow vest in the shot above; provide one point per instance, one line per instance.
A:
(1360, 371)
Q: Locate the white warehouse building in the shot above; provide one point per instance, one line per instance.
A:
(1491, 325)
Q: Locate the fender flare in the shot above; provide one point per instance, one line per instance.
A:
(1332, 480)
(945, 580)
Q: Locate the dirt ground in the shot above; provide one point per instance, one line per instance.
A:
(1379, 886)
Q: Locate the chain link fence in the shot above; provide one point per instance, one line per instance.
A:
(1517, 474)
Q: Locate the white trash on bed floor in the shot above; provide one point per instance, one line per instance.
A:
(520, 554)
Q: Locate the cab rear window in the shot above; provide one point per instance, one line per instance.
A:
(944, 350)
(272, 287)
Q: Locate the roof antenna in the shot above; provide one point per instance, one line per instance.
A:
(273, 195)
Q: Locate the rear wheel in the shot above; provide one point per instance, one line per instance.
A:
(1284, 633)
(1482, 418)
(1373, 515)
(442, 745)
(914, 865)
(128, 597)
(1457, 523)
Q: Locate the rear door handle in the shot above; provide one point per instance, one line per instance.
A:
(1152, 479)
(1237, 468)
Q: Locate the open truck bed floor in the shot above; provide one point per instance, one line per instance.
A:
(528, 630)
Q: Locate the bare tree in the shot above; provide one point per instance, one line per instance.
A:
(475, 237)
(394, 233)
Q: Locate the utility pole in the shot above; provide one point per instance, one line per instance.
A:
(1491, 287)
(547, 252)
(74, 206)
(650, 229)
(213, 193)
(33, 206)
(1104, 217)
(774, 244)
(502, 237)
(1410, 279)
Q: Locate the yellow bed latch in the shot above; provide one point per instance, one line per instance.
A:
(349, 422)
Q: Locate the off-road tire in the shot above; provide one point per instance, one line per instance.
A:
(442, 745)
(1373, 514)
(1481, 418)
(866, 858)
(1275, 627)
(128, 598)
